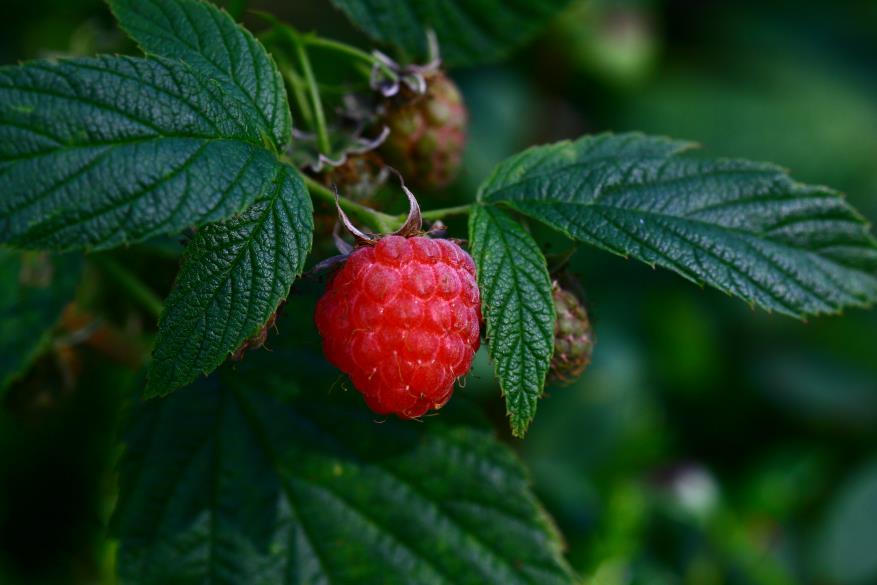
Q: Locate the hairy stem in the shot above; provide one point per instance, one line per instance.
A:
(316, 102)
(297, 86)
(131, 283)
(435, 214)
(382, 222)
(349, 50)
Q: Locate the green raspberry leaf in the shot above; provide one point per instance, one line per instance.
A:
(208, 39)
(234, 275)
(468, 31)
(517, 306)
(227, 484)
(745, 228)
(100, 152)
(844, 554)
(34, 288)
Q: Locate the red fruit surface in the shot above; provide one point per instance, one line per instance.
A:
(402, 318)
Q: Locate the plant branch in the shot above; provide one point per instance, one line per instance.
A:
(382, 222)
(289, 33)
(435, 214)
(298, 90)
(349, 50)
(316, 102)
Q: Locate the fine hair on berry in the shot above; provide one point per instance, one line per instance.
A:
(402, 319)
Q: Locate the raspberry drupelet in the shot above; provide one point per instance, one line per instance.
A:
(402, 318)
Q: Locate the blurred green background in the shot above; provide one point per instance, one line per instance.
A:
(707, 444)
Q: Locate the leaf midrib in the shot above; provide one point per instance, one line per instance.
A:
(257, 225)
(76, 97)
(601, 190)
(203, 144)
(741, 235)
(66, 147)
(682, 218)
(524, 348)
(87, 65)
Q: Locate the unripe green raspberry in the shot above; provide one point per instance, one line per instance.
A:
(573, 338)
(427, 133)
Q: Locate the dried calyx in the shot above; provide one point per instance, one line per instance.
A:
(428, 122)
(413, 222)
(347, 136)
(413, 77)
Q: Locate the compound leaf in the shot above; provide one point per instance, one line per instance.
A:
(105, 151)
(234, 275)
(745, 228)
(468, 31)
(517, 306)
(228, 484)
(208, 39)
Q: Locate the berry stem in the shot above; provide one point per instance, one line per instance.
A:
(129, 281)
(442, 213)
(349, 50)
(316, 102)
(298, 90)
(382, 222)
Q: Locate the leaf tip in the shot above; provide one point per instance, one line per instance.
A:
(152, 390)
(519, 424)
(158, 384)
(519, 432)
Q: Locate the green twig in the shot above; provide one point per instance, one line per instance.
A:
(382, 222)
(290, 34)
(298, 90)
(316, 102)
(129, 281)
(349, 50)
(435, 214)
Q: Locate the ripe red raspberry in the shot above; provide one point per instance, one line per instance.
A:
(402, 319)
